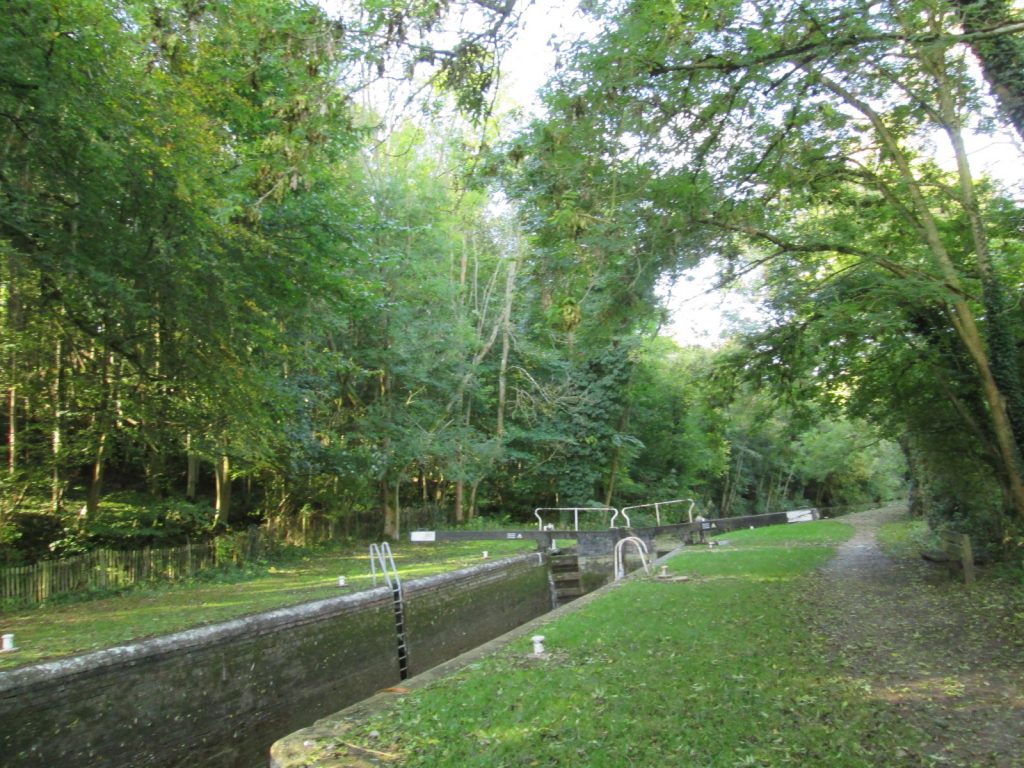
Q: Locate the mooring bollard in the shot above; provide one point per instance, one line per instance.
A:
(538, 645)
(7, 643)
(341, 581)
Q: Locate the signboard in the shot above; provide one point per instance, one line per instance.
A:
(802, 515)
(423, 536)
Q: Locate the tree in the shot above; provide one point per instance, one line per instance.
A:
(677, 422)
(775, 129)
(995, 32)
(163, 178)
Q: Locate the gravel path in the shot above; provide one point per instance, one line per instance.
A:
(949, 658)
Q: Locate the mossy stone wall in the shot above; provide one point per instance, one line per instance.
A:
(213, 696)
(458, 611)
(219, 696)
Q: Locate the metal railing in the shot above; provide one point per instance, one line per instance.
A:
(641, 548)
(657, 509)
(576, 514)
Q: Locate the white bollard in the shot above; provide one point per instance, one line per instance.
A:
(538, 645)
(7, 643)
(485, 554)
(341, 581)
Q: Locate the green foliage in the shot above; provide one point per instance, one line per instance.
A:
(793, 143)
(210, 257)
(680, 442)
(213, 270)
(133, 519)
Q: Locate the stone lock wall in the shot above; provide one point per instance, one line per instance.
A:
(219, 696)
(454, 612)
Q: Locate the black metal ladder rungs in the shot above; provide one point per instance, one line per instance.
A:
(381, 554)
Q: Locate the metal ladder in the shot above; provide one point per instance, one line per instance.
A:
(380, 554)
(641, 548)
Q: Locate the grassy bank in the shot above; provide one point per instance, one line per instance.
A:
(716, 670)
(61, 629)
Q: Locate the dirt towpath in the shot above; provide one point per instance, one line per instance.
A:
(949, 658)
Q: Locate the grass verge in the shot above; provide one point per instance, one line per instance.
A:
(718, 670)
(61, 629)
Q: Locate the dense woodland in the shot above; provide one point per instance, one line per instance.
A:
(239, 287)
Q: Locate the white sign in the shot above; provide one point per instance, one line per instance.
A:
(800, 515)
(423, 536)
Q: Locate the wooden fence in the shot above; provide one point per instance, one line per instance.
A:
(108, 568)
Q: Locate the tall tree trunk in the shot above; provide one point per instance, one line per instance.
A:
(100, 421)
(391, 511)
(962, 316)
(460, 458)
(724, 509)
(92, 499)
(785, 487)
(506, 341)
(15, 321)
(12, 426)
(471, 511)
(57, 395)
(460, 492)
(191, 469)
(156, 469)
(613, 470)
(222, 477)
(1000, 337)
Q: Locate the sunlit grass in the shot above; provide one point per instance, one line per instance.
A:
(820, 532)
(53, 631)
(750, 564)
(720, 670)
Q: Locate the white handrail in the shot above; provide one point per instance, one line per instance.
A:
(617, 512)
(641, 548)
(575, 514)
(657, 508)
(381, 553)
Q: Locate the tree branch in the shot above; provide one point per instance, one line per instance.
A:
(809, 51)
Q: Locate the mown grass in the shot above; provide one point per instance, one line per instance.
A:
(61, 629)
(719, 670)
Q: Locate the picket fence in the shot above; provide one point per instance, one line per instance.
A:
(112, 569)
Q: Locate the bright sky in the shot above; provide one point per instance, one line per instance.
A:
(531, 58)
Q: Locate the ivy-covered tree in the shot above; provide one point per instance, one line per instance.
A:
(791, 136)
